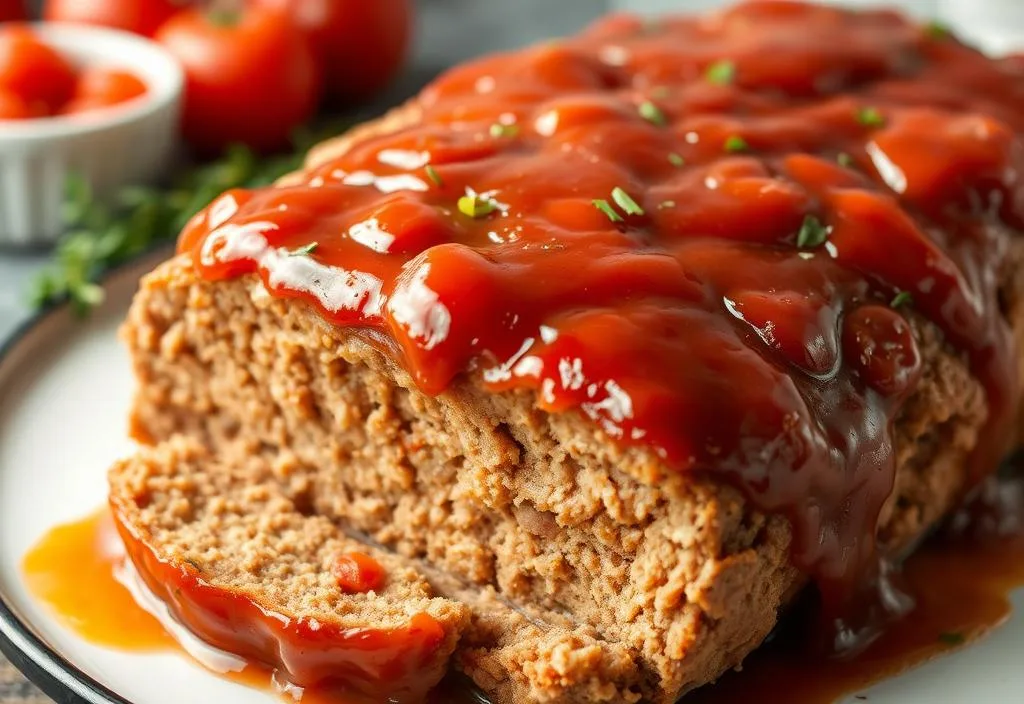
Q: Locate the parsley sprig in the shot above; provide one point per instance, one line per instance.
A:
(102, 235)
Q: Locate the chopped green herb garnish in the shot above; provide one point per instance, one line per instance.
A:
(675, 159)
(903, 298)
(476, 206)
(652, 113)
(937, 30)
(499, 130)
(606, 208)
(812, 233)
(735, 144)
(666, 204)
(434, 176)
(305, 250)
(721, 73)
(952, 638)
(870, 117)
(650, 25)
(844, 159)
(624, 201)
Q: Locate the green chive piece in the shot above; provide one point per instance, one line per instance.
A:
(626, 202)
(305, 250)
(476, 207)
(666, 204)
(735, 144)
(652, 113)
(603, 205)
(903, 298)
(937, 30)
(434, 176)
(721, 73)
(844, 159)
(675, 159)
(870, 117)
(952, 638)
(499, 130)
(812, 233)
(650, 25)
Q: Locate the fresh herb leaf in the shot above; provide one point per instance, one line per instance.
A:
(812, 233)
(305, 250)
(721, 73)
(870, 117)
(606, 208)
(626, 202)
(476, 206)
(676, 160)
(844, 159)
(903, 298)
(434, 176)
(499, 130)
(937, 30)
(735, 144)
(952, 638)
(652, 113)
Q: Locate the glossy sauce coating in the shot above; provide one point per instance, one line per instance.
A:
(693, 232)
(387, 663)
(71, 570)
(962, 583)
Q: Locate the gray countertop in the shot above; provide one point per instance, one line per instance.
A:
(16, 270)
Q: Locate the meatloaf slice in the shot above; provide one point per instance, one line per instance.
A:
(677, 570)
(864, 210)
(240, 565)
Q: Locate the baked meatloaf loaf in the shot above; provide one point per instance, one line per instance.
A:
(619, 341)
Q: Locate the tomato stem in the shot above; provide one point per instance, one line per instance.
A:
(223, 17)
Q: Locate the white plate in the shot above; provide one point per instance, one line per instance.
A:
(64, 393)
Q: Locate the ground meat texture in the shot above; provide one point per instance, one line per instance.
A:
(594, 567)
(241, 564)
(653, 582)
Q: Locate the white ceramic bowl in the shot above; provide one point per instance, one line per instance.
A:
(129, 144)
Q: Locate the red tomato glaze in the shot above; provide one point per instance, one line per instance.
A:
(383, 662)
(787, 173)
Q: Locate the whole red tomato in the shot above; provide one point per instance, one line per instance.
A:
(102, 87)
(14, 107)
(139, 16)
(33, 71)
(361, 44)
(250, 77)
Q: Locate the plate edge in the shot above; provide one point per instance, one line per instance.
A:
(54, 674)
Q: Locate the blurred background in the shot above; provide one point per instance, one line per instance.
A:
(470, 27)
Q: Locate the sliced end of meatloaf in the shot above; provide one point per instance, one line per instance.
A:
(675, 572)
(234, 554)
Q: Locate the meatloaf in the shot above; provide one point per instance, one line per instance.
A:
(625, 339)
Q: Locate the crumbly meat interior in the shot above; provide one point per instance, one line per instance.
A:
(632, 582)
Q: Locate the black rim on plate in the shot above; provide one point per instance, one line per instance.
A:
(54, 674)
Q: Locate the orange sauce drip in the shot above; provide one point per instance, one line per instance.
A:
(71, 571)
(961, 589)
